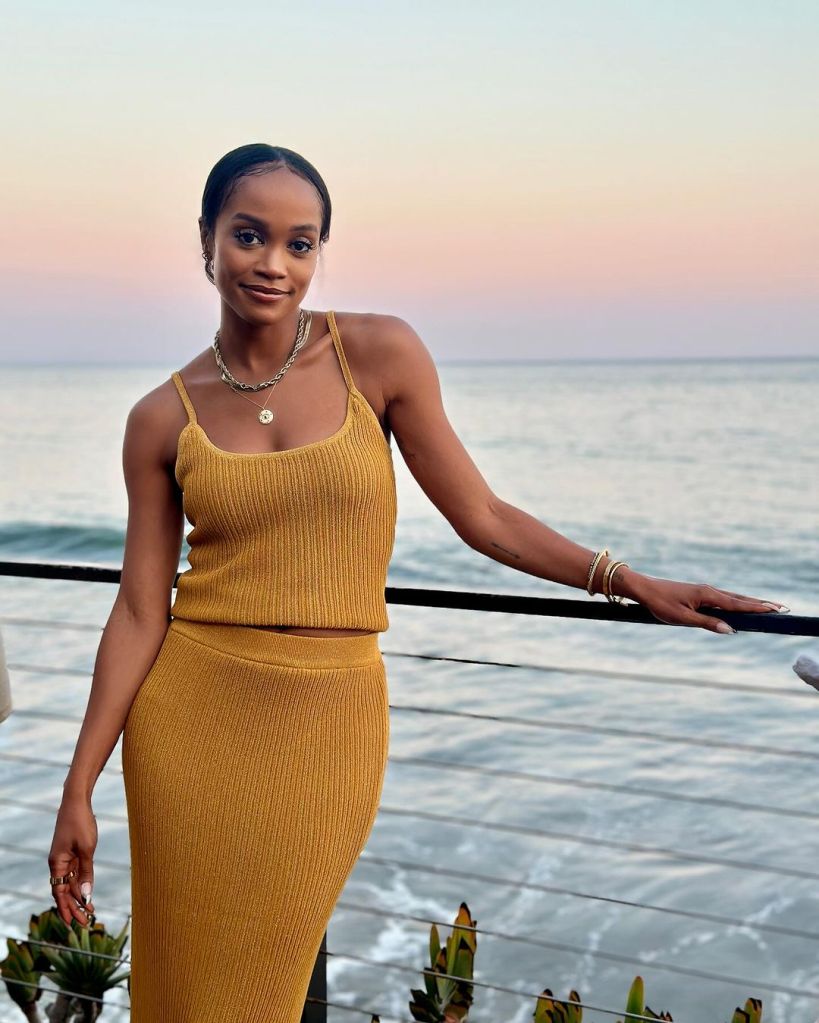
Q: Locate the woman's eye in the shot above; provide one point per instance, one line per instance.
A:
(247, 233)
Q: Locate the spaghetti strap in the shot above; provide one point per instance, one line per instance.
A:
(183, 394)
(342, 358)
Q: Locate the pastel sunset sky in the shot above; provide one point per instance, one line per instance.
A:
(519, 181)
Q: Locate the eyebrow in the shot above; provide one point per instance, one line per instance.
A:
(258, 220)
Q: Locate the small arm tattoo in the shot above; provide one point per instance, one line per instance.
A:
(505, 550)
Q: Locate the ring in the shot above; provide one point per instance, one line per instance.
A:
(63, 879)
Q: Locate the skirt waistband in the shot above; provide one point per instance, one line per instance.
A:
(289, 648)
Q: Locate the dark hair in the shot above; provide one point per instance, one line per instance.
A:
(256, 158)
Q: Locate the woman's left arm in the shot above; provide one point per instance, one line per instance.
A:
(445, 471)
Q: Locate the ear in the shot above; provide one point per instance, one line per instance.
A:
(203, 234)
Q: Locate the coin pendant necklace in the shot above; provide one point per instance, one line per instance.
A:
(266, 415)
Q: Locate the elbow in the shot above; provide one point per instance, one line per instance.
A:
(478, 526)
(141, 613)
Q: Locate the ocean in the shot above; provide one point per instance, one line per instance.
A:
(651, 827)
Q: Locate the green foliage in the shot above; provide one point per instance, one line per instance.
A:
(549, 1011)
(752, 1013)
(84, 962)
(73, 969)
(20, 965)
(447, 995)
(636, 1007)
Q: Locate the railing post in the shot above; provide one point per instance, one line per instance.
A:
(316, 1012)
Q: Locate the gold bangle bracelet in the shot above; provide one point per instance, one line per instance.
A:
(611, 568)
(593, 569)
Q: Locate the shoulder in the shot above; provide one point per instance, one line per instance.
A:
(155, 420)
(387, 344)
(162, 404)
(378, 331)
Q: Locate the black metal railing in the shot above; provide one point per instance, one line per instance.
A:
(317, 1002)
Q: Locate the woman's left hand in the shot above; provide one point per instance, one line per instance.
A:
(676, 603)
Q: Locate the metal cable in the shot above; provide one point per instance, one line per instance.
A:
(466, 875)
(627, 733)
(626, 676)
(558, 946)
(550, 779)
(33, 897)
(116, 818)
(50, 623)
(520, 939)
(69, 994)
(533, 886)
(566, 726)
(383, 965)
(45, 669)
(73, 951)
(508, 603)
(607, 843)
(518, 829)
(401, 967)
(631, 790)
(561, 669)
(38, 854)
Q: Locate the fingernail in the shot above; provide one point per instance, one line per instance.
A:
(724, 627)
(776, 607)
(85, 888)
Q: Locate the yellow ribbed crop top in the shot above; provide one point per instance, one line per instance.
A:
(301, 536)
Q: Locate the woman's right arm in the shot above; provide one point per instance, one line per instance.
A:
(132, 636)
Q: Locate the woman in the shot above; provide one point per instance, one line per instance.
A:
(255, 720)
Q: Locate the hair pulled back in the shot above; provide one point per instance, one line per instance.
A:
(256, 158)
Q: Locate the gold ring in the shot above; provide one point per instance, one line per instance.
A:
(63, 879)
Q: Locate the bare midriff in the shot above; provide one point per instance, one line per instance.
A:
(299, 630)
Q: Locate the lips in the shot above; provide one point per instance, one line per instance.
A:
(265, 291)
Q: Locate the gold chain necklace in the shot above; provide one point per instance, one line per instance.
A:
(266, 415)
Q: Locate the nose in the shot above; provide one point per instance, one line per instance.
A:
(272, 260)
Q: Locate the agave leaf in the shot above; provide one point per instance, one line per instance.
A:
(752, 1013)
(541, 1006)
(574, 1013)
(434, 943)
(121, 938)
(753, 1006)
(635, 1001)
(552, 1011)
(423, 1008)
(19, 966)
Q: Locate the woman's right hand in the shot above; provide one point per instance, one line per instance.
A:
(72, 848)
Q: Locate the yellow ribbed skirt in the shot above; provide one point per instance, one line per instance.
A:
(253, 766)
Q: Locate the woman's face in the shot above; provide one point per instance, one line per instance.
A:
(267, 234)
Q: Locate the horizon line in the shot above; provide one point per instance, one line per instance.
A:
(476, 361)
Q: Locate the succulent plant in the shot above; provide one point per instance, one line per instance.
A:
(81, 961)
(549, 1011)
(20, 965)
(448, 993)
(752, 1013)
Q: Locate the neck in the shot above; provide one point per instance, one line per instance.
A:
(257, 351)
